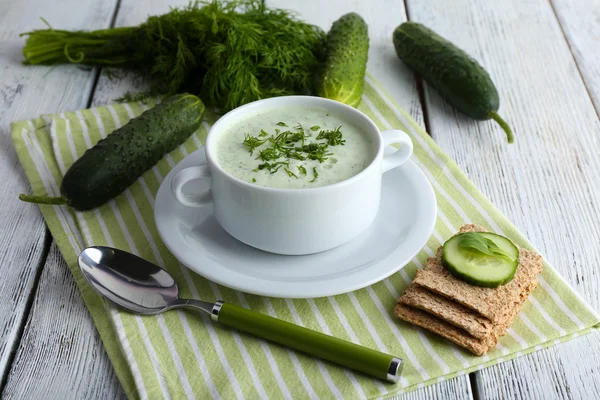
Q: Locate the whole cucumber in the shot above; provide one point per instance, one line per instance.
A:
(456, 76)
(347, 47)
(116, 162)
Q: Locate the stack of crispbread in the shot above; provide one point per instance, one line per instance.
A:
(471, 316)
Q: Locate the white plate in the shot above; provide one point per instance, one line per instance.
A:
(403, 225)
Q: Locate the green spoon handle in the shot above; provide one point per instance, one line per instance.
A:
(350, 355)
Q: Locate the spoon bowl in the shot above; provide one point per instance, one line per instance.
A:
(129, 281)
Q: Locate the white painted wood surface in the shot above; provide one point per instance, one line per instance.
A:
(580, 22)
(547, 183)
(557, 137)
(25, 93)
(61, 355)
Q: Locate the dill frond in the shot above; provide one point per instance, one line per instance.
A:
(228, 52)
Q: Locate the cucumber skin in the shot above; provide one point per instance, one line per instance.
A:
(347, 48)
(466, 278)
(116, 162)
(455, 75)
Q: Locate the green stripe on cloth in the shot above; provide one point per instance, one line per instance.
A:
(184, 355)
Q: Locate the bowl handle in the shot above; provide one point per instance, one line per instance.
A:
(394, 138)
(186, 175)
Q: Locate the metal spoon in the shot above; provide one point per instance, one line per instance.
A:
(141, 287)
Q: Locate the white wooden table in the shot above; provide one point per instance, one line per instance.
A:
(544, 57)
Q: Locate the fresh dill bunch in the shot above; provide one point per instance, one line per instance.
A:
(228, 52)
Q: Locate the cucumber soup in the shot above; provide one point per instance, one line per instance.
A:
(294, 148)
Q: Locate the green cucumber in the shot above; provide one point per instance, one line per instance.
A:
(489, 262)
(116, 162)
(455, 75)
(343, 74)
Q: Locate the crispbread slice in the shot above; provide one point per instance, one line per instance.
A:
(502, 326)
(445, 329)
(472, 322)
(493, 303)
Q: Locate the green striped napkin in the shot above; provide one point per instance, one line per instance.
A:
(184, 355)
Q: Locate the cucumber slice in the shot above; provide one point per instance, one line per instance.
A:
(478, 268)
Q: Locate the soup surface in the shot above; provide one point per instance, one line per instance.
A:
(294, 148)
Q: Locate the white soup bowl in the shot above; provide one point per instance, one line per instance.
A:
(295, 221)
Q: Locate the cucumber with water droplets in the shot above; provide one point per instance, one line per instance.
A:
(455, 75)
(116, 162)
(343, 73)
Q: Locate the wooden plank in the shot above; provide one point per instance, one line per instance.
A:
(580, 22)
(382, 17)
(27, 92)
(455, 389)
(569, 371)
(546, 183)
(61, 354)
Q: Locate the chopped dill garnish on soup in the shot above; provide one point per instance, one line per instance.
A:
(282, 147)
